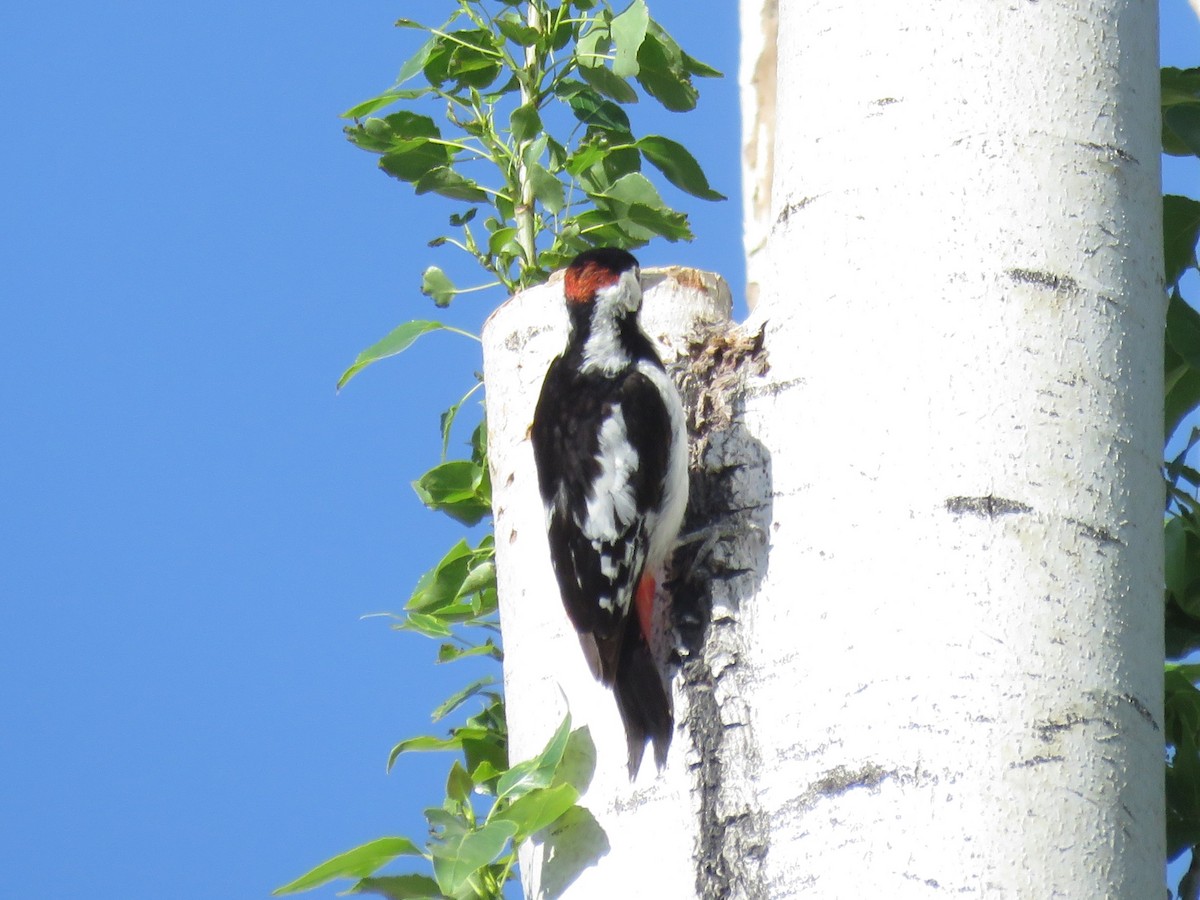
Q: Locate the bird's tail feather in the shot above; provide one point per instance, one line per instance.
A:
(643, 701)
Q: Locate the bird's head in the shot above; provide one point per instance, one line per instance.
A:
(605, 280)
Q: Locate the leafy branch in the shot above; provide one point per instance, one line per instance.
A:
(503, 79)
(1181, 231)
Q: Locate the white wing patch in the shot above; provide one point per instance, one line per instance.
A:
(612, 512)
(611, 504)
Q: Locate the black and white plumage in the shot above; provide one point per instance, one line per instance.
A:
(610, 443)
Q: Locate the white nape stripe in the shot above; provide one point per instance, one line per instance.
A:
(603, 349)
(611, 505)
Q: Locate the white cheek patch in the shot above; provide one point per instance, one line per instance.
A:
(603, 349)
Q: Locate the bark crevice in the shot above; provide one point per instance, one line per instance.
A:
(730, 497)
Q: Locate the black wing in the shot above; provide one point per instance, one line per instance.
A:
(601, 445)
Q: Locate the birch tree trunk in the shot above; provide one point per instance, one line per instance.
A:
(919, 653)
(957, 646)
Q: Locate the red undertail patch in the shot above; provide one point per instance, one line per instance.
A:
(644, 601)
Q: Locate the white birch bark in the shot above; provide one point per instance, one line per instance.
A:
(953, 666)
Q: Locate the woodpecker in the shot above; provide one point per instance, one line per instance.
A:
(610, 443)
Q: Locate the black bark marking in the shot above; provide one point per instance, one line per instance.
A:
(792, 208)
(989, 507)
(1036, 761)
(840, 780)
(1099, 535)
(1111, 151)
(1061, 283)
(1141, 709)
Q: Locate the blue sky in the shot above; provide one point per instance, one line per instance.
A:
(193, 522)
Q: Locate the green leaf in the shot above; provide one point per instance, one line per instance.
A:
(1183, 330)
(357, 863)
(399, 887)
(562, 34)
(457, 857)
(591, 49)
(397, 341)
(462, 575)
(693, 66)
(608, 84)
(662, 74)
(407, 135)
(539, 808)
(499, 239)
(444, 823)
(459, 784)
(525, 123)
(435, 284)
(460, 697)
(1175, 573)
(1184, 123)
(448, 417)
(418, 159)
(416, 62)
(486, 758)
(533, 151)
(479, 451)
(539, 771)
(678, 165)
(639, 211)
(1182, 631)
(445, 181)
(628, 31)
(453, 652)
(426, 624)
(441, 586)
(1180, 86)
(375, 104)
(426, 744)
(585, 156)
(1181, 108)
(547, 189)
(516, 30)
(437, 62)
(457, 488)
(596, 112)
(663, 222)
(1183, 396)
(485, 772)
(1181, 230)
(480, 577)
(474, 60)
